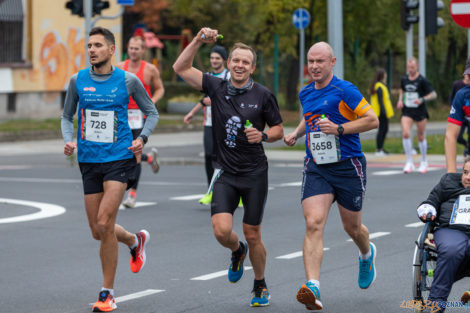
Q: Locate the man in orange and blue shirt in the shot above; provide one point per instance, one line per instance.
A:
(334, 113)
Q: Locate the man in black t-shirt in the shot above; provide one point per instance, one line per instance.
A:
(240, 110)
(415, 91)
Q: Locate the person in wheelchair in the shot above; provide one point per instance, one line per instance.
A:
(448, 205)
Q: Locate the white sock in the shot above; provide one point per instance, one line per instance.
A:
(365, 256)
(408, 148)
(423, 148)
(315, 282)
(136, 242)
(111, 291)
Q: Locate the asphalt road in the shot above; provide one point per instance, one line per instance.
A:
(51, 265)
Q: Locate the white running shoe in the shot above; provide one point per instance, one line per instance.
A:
(423, 168)
(409, 167)
(130, 201)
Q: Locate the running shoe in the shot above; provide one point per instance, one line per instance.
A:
(260, 297)
(409, 167)
(155, 163)
(105, 302)
(130, 200)
(309, 295)
(207, 199)
(235, 270)
(381, 153)
(423, 168)
(367, 273)
(138, 255)
(465, 297)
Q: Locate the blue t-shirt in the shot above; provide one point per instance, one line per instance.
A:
(460, 109)
(340, 102)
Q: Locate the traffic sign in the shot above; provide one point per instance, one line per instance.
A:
(460, 12)
(301, 18)
(125, 2)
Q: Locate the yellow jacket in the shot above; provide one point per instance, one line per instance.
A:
(386, 100)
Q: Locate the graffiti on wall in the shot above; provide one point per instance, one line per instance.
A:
(59, 60)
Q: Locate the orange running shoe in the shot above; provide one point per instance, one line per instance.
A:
(105, 302)
(138, 253)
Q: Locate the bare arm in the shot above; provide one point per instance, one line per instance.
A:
(400, 100)
(364, 123)
(157, 85)
(450, 144)
(299, 131)
(184, 64)
(188, 117)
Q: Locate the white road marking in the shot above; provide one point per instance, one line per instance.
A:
(376, 235)
(137, 204)
(417, 224)
(396, 172)
(216, 274)
(293, 184)
(75, 181)
(294, 255)
(45, 210)
(188, 197)
(136, 295)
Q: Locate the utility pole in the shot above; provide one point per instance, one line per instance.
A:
(335, 34)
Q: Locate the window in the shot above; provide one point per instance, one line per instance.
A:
(12, 31)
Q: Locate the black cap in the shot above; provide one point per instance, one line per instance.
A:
(220, 50)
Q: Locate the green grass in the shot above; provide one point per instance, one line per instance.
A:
(394, 145)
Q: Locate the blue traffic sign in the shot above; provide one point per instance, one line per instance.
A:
(301, 18)
(125, 2)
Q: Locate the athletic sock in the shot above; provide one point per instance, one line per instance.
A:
(111, 291)
(149, 158)
(240, 250)
(423, 149)
(133, 193)
(259, 283)
(136, 242)
(315, 282)
(365, 256)
(408, 148)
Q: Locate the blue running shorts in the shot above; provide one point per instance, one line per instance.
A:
(346, 180)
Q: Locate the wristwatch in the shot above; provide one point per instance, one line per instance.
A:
(144, 138)
(264, 136)
(340, 129)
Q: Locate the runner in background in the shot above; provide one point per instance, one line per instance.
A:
(218, 56)
(149, 75)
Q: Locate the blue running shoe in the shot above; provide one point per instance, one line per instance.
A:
(261, 296)
(235, 270)
(309, 295)
(367, 273)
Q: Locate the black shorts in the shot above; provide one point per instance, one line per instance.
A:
(416, 114)
(253, 190)
(94, 174)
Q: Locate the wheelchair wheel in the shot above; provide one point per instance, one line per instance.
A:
(424, 264)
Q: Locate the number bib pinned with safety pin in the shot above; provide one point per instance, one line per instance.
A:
(410, 97)
(324, 147)
(99, 126)
(461, 211)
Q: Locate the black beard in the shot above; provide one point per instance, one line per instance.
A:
(99, 64)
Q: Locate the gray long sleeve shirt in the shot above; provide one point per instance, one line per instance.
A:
(134, 89)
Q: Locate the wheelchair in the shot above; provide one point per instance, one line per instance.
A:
(424, 264)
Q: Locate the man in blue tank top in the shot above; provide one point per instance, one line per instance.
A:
(334, 113)
(107, 152)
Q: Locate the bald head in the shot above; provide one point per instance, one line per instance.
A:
(321, 61)
(322, 47)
